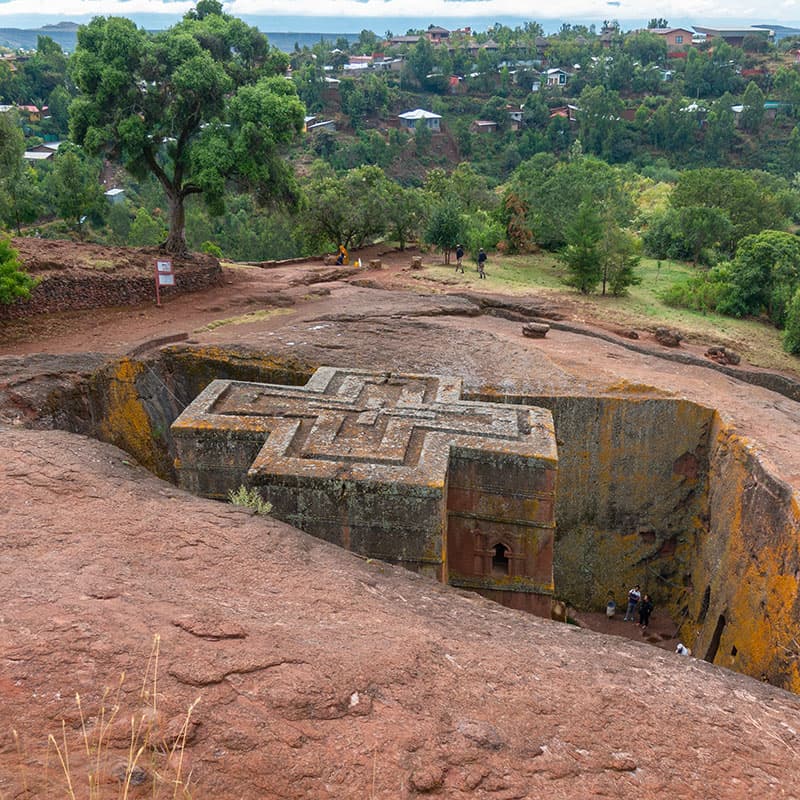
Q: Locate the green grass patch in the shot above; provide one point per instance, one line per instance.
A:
(642, 308)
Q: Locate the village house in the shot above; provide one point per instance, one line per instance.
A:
(676, 38)
(436, 34)
(735, 36)
(567, 112)
(515, 115)
(556, 77)
(483, 126)
(409, 119)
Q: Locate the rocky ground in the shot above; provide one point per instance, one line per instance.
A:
(319, 674)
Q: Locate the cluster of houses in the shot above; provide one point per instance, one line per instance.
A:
(678, 41)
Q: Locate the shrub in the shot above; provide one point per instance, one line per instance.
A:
(250, 498)
(707, 291)
(791, 334)
(211, 248)
(14, 283)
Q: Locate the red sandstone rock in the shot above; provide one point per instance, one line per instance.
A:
(353, 679)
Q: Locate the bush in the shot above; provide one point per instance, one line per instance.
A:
(250, 498)
(791, 334)
(708, 291)
(211, 248)
(14, 283)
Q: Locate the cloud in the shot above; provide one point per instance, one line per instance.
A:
(677, 11)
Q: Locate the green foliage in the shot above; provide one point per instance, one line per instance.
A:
(405, 211)
(250, 498)
(553, 190)
(688, 233)
(701, 292)
(646, 47)
(145, 230)
(211, 248)
(764, 276)
(348, 209)
(14, 283)
(483, 230)
(196, 105)
(752, 108)
(74, 186)
(119, 221)
(621, 254)
(791, 333)
(748, 198)
(446, 227)
(20, 195)
(583, 254)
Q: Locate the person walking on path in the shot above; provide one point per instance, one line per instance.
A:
(645, 610)
(634, 595)
(481, 262)
(459, 257)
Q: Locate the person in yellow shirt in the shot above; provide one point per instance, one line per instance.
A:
(343, 257)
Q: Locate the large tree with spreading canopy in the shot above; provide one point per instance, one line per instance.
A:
(200, 106)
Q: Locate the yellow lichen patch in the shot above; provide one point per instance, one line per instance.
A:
(626, 387)
(244, 319)
(126, 423)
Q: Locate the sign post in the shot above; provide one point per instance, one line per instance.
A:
(164, 277)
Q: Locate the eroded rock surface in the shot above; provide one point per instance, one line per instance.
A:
(322, 675)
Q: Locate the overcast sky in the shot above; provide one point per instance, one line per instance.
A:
(352, 14)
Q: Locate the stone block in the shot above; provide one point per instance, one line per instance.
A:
(416, 262)
(535, 330)
(391, 466)
(375, 263)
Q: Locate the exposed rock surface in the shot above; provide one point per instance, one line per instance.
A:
(535, 330)
(321, 675)
(669, 337)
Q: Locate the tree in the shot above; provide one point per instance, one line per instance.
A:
(752, 108)
(19, 195)
(764, 276)
(74, 186)
(445, 227)
(657, 22)
(701, 227)
(599, 119)
(583, 254)
(791, 333)
(404, 212)
(746, 197)
(349, 208)
(198, 106)
(552, 192)
(14, 283)
(646, 47)
(621, 254)
(720, 128)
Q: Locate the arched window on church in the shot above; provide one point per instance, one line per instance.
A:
(500, 563)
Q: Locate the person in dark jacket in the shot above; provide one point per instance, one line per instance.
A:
(645, 610)
(481, 262)
(459, 257)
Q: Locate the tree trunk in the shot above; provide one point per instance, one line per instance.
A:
(176, 241)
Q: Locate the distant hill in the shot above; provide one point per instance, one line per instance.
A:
(65, 33)
(61, 26)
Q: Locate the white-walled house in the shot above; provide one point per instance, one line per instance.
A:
(409, 119)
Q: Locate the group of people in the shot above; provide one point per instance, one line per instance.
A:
(641, 604)
(460, 261)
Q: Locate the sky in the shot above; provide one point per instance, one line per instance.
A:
(399, 15)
